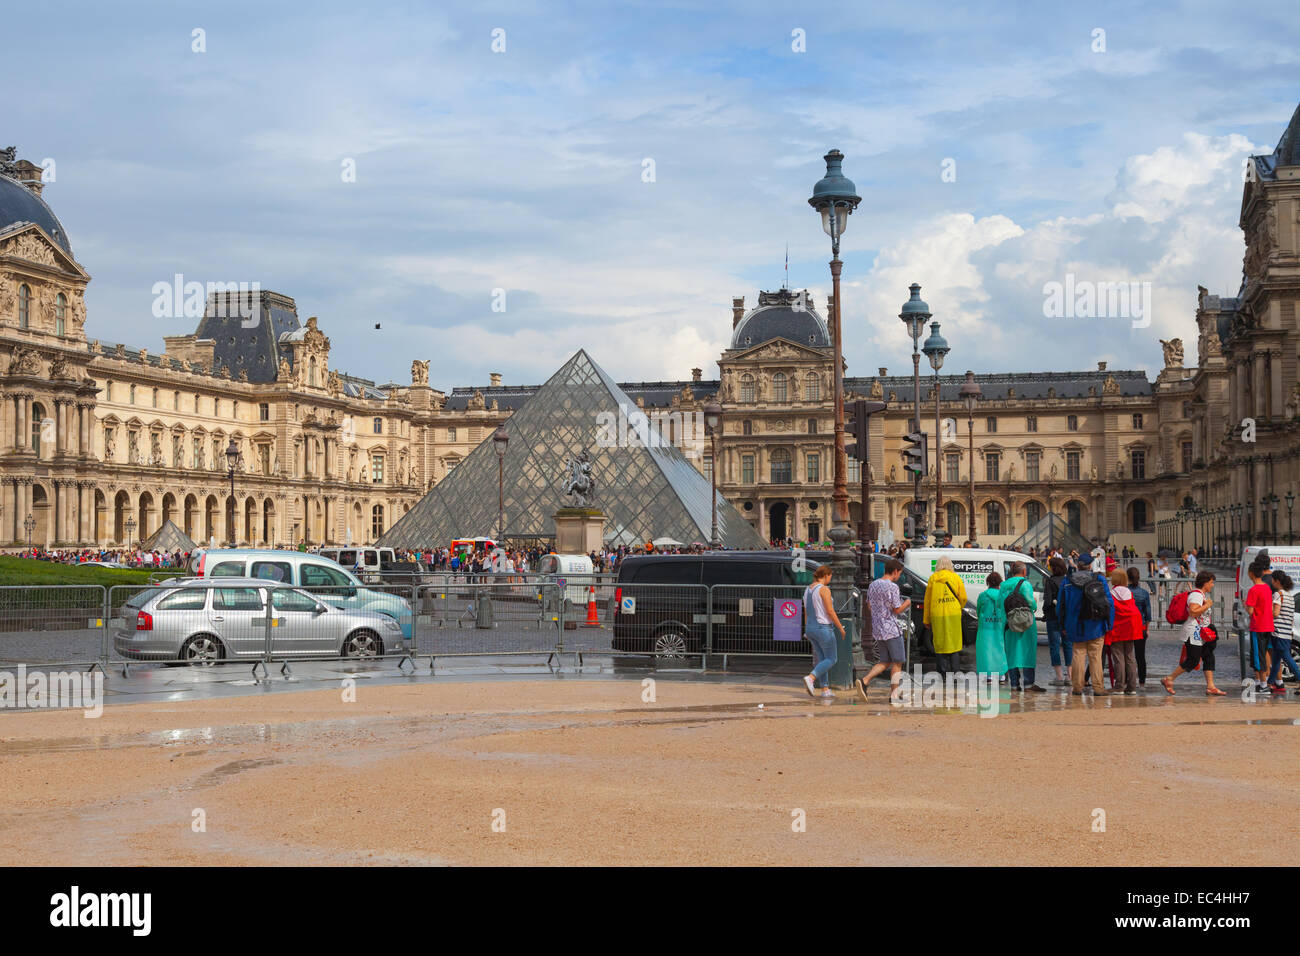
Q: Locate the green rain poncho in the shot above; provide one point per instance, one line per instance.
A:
(990, 639)
(1022, 647)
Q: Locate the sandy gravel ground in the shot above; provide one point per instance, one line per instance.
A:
(588, 773)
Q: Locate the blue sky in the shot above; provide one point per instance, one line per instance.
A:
(523, 170)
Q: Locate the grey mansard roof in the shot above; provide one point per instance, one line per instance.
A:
(18, 204)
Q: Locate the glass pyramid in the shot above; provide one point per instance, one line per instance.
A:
(647, 489)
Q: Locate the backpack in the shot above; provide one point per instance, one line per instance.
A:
(1096, 601)
(1020, 617)
(1176, 613)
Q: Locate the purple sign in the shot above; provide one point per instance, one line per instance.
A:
(787, 619)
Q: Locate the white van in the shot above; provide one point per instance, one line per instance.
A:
(575, 571)
(1286, 559)
(365, 563)
(974, 565)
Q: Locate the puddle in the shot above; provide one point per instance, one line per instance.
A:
(218, 774)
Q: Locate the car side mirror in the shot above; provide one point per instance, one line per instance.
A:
(321, 609)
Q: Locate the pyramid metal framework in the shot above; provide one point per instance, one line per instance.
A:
(1051, 531)
(646, 489)
(168, 538)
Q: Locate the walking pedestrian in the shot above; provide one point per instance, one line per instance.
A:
(819, 616)
(945, 597)
(1051, 590)
(1142, 598)
(1086, 612)
(1199, 638)
(1283, 628)
(1259, 602)
(990, 636)
(1021, 635)
(1121, 636)
(886, 603)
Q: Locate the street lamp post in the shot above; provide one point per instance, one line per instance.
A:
(29, 524)
(936, 349)
(835, 197)
(1274, 501)
(1290, 504)
(130, 532)
(233, 458)
(915, 314)
(712, 419)
(970, 394)
(500, 439)
(1263, 520)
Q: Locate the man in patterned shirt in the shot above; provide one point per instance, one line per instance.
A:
(885, 601)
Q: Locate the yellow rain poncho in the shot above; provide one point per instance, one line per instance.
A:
(945, 596)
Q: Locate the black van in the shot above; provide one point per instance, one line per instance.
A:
(662, 602)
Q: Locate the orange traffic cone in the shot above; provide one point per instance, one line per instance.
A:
(592, 619)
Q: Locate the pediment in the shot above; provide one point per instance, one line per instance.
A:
(30, 243)
(779, 349)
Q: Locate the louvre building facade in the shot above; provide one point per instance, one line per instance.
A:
(103, 442)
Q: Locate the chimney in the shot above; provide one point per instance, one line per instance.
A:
(1101, 366)
(29, 174)
(737, 310)
(495, 378)
(883, 372)
(697, 374)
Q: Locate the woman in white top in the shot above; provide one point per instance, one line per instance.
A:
(819, 616)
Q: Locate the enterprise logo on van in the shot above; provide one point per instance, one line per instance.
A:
(966, 567)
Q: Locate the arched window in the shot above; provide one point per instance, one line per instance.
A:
(747, 392)
(993, 518)
(24, 306)
(1033, 513)
(155, 398)
(1140, 515)
(131, 392)
(311, 371)
(781, 466)
(376, 521)
(60, 314)
(779, 392)
(1074, 516)
(812, 388)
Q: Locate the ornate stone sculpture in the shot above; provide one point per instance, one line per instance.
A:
(1173, 349)
(580, 484)
(419, 373)
(334, 384)
(59, 367)
(285, 373)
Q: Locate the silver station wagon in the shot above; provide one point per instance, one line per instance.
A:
(207, 620)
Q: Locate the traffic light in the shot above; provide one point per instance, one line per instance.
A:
(916, 455)
(856, 421)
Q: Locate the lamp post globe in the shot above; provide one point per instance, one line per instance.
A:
(834, 197)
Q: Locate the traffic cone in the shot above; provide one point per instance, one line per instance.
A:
(592, 619)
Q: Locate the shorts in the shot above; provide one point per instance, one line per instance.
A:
(1198, 655)
(891, 651)
(1260, 642)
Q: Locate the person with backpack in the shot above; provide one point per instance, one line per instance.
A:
(990, 637)
(1259, 602)
(945, 598)
(1086, 612)
(819, 616)
(1283, 630)
(1192, 612)
(1021, 633)
(1122, 635)
(1142, 598)
(1060, 654)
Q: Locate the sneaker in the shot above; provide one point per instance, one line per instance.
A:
(1101, 693)
(828, 694)
(1076, 693)
(1261, 687)
(1035, 689)
(808, 684)
(862, 687)
(1277, 690)
(1130, 693)
(1059, 683)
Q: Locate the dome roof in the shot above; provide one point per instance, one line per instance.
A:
(784, 315)
(18, 204)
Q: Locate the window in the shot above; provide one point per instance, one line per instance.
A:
(708, 467)
(812, 388)
(814, 467)
(283, 600)
(746, 469)
(196, 404)
(812, 426)
(1074, 516)
(1073, 462)
(237, 599)
(108, 391)
(320, 576)
(379, 426)
(1187, 455)
(1072, 422)
(272, 571)
(1138, 462)
(747, 427)
(263, 412)
(24, 306)
(747, 392)
(1031, 465)
(451, 434)
(1137, 421)
(781, 466)
(992, 461)
(60, 314)
(993, 518)
(952, 468)
(1031, 423)
(1139, 515)
(131, 394)
(155, 398)
(779, 390)
(190, 599)
(234, 409)
(991, 425)
(855, 471)
(954, 517)
(1187, 409)
(1033, 513)
(376, 521)
(377, 469)
(176, 401)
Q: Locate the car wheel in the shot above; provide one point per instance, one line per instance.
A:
(202, 649)
(363, 644)
(671, 644)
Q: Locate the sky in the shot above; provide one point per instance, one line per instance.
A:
(611, 175)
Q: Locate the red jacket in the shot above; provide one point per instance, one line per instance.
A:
(1128, 619)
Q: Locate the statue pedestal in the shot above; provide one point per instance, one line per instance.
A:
(579, 530)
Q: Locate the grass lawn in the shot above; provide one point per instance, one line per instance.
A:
(15, 571)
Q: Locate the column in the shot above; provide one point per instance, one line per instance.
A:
(56, 507)
(87, 417)
(10, 502)
(22, 428)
